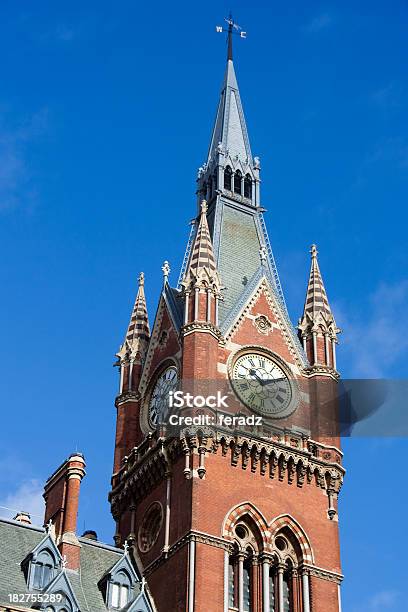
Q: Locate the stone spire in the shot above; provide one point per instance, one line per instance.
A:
(201, 276)
(317, 327)
(138, 332)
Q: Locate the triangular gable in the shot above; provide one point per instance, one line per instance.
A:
(46, 543)
(62, 584)
(123, 563)
(258, 283)
(142, 603)
(154, 339)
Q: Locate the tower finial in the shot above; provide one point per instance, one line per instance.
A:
(166, 270)
(231, 27)
(230, 22)
(314, 251)
(141, 279)
(204, 207)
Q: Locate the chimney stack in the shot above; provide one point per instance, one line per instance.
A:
(61, 494)
(23, 517)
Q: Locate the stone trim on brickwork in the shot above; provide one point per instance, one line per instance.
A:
(147, 465)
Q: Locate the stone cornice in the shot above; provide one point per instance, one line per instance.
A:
(324, 574)
(203, 327)
(127, 396)
(307, 464)
(322, 370)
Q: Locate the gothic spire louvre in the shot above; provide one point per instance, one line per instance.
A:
(138, 332)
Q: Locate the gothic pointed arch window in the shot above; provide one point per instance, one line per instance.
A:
(241, 565)
(248, 186)
(228, 178)
(238, 182)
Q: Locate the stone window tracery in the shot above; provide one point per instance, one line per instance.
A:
(266, 570)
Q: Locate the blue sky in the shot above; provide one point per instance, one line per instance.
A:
(105, 116)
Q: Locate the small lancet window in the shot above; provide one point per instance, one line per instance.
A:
(238, 182)
(287, 596)
(232, 582)
(228, 179)
(247, 584)
(272, 587)
(247, 186)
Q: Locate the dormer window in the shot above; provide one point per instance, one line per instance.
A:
(42, 564)
(238, 182)
(120, 590)
(228, 179)
(44, 567)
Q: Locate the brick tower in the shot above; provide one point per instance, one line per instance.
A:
(231, 514)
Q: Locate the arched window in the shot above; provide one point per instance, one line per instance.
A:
(120, 590)
(247, 186)
(228, 178)
(215, 181)
(238, 182)
(241, 564)
(43, 570)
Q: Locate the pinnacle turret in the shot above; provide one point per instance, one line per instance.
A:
(138, 332)
(317, 327)
(201, 278)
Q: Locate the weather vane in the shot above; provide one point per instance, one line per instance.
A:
(233, 28)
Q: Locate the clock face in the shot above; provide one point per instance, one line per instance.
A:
(159, 399)
(262, 385)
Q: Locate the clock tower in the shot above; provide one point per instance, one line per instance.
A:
(236, 512)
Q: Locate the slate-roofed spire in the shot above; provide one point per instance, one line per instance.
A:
(201, 267)
(138, 332)
(316, 297)
(317, 327)
(230, 132)
(201, 283)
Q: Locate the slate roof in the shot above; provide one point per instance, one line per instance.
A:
(138, 332)
(316, 297)
(17, 541)
(230, 127)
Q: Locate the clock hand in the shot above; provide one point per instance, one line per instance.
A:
(260, 380)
